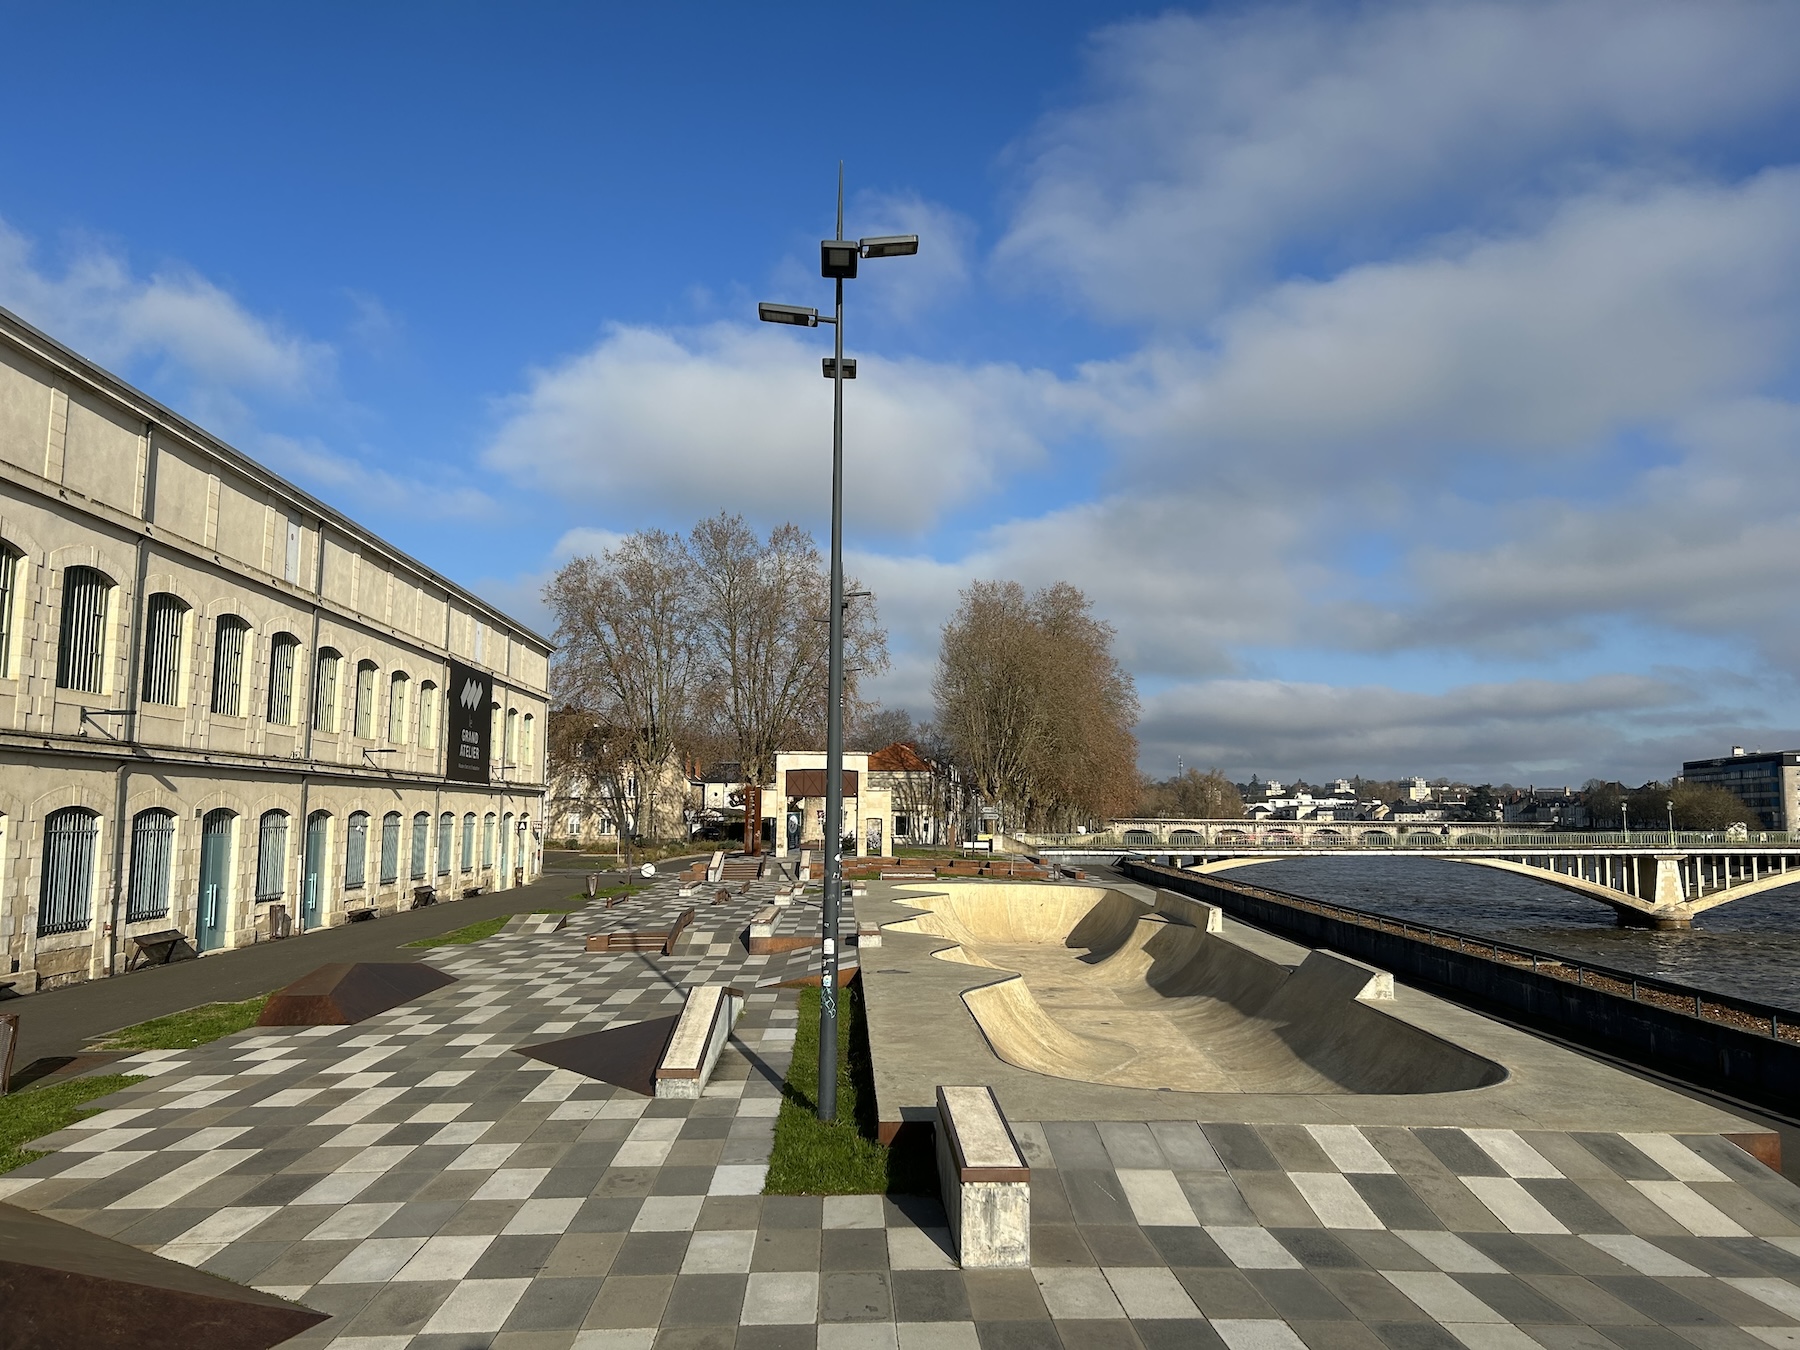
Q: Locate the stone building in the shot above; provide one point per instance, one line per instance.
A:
(225, 709)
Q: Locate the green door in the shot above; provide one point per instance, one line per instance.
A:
(312, 886)
(215, 881)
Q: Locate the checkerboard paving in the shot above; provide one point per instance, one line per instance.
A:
(430, 1188)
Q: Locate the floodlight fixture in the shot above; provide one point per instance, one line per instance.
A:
(831, 366)
(837, 258)
(890, 246)
(798, 315)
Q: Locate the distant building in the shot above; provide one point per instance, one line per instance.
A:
(1417, 790)
(1554, 806)
(1768, 783)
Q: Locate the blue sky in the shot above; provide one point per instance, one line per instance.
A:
(1412, 385)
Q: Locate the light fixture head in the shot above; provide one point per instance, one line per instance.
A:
(891, 246)
(837, 258)
(830, 365)
(794, 314)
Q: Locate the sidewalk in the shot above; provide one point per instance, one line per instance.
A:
(62, 1021)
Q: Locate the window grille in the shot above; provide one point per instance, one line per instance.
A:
(356, 852)
(512, 736)
(446, 837)
(284, 653)
(365, 700)
(228, 666)
(397, 683)
(271, 856)
(68, 877)
(81, 648)
(428, 715)
(9, 586)
(164, 618)
(468, 848)
(390, 848)
(325, 691)
(487, 840)
(152, 851)
(421, 836)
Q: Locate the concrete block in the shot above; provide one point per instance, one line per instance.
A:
(985, 1184)
(697, 1041)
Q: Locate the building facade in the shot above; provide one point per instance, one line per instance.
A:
(225, 709)
(1767, 782)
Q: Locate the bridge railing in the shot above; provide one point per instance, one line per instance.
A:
(1275, 840)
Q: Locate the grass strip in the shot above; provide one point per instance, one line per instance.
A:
(184, 1030)
(36, 1112)
(486, 928)
(844, 1157)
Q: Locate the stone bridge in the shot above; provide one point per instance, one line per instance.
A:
(1653, 881)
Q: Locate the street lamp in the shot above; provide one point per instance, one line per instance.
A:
(1671, 806)
(838, 258)
(1625, 820)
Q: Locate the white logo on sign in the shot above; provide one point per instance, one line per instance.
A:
(472, 693)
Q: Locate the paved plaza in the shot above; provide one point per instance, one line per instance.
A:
(428, 1186)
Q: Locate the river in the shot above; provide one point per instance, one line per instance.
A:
(1748, 947)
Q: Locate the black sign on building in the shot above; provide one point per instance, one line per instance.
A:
(471, 700)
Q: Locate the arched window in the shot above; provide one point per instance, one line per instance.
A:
(229, 639)
(487, 840)
(364, 726)
(152, 852)
(356, 852)
(325, 690)
(271, 856)
(421, 838)
(284, 653)
(512, 736)
(9, 601)
(528, 745)
(67, 885)
(446, 837)
(81, 646)
(165, 626)
(468, 842)
(397, 685)
(390, 848)
(428, 716)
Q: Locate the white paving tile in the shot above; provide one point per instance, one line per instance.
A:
(1156, 1198)
(1349, 1149)
(1513, 1205)
(1688, 1209)
(1252, 1248)
(1448, 1252)
(1150, 1292)
(1675, 1157)
(1441, 1297)
(1335, 1200)
(1077, 1293)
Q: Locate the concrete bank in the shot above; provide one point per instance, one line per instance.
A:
(1755, 1067)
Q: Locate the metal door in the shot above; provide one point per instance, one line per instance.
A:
(215, 881)
(312, 885)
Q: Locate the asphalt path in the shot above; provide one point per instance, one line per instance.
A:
(59, 1023)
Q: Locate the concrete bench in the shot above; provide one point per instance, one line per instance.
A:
(159, 949)
(699, 1037)
(982, 1176)
(715, 867)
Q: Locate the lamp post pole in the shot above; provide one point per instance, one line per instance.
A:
(834, 723)
(838, 259)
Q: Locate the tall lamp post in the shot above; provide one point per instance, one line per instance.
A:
(1671, 806)
(837, 261)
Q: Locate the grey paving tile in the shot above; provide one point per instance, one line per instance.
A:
(1395, 1203)
(1110, 1334)
(706, 1300)
(930, 1296)
(1659, 1299)
(1004, 1296)
(1181, 1247)
(854, 1249)
(1017, 1335)
(1183, 1334)
(1120, 1245)
(650, 1254)
(1240, 1148)
(554, 1304)
(1316, 1249)
(1096, 1197)
(1077, 1145)
(1223, 1293)
(1297, 1294)
(1414, 1336)
(855, 1296)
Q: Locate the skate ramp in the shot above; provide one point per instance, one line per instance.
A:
(1107, 989)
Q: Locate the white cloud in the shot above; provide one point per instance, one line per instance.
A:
(1635, 726)
(355, 486)
(729, 416)
(105, 311)
(1215, 152)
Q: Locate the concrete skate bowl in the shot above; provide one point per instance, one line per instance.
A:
(1109, 989)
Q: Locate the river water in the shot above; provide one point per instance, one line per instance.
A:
(1748, 947)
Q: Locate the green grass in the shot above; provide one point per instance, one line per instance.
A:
(844, 1157)
(184, 1030)
(486, 928)
(31, 1114)
(461, 937)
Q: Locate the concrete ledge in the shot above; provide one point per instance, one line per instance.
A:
(985, 1183)
(699, 1038)
(762, 940)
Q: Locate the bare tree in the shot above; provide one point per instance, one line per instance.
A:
(763, 610)
(629, 656)
(1034, 706)
(1192, 796)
